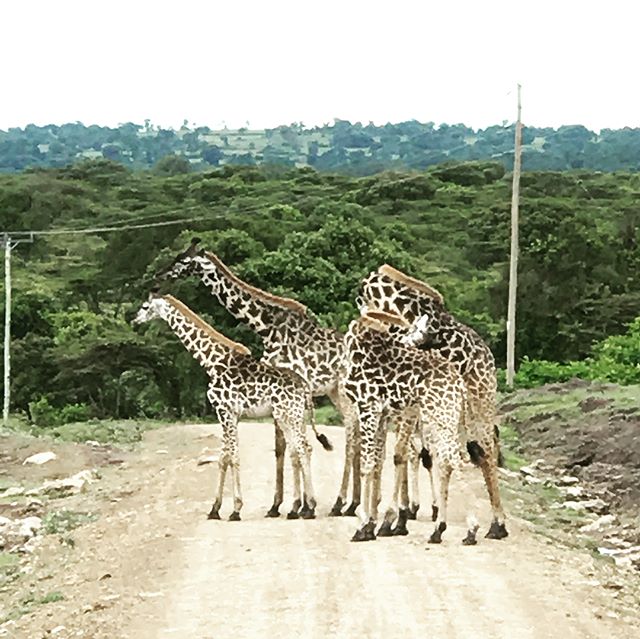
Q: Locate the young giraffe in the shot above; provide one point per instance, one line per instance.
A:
(292, 339)
(392, 291)
(383, 376)
(240, 385)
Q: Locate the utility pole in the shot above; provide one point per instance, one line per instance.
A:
(8, 243)
(513, 263)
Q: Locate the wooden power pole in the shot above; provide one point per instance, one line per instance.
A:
(8, 243)
(513, 263)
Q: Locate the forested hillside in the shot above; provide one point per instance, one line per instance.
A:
(304, 234)
(355, 149)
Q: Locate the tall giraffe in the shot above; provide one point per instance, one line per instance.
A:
(292, 339)
(384, 376)
(240, 385)
(390, 290)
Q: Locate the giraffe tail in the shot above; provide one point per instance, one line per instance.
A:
(321, 437)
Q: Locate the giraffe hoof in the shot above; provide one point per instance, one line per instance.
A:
(359, 535)
(273, 512)
(469, 540)
(497, 531)
(308, 513)
(436, 535)
(294, 514)
(366, 533)
(413, 511)
(234, 516)
(351, 511)
(385, 529)
(434, 513)
(336, 510)
(401, 525)
(214, 514)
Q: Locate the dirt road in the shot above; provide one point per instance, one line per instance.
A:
(153, 567)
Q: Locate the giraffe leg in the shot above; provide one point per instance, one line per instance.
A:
(370, 424)
(229, 435)
(488, 465)
(355, 458)
(414, 472)
(391, 513)
(442, 475)
(297, 494)
(281, 445)
(223, 462)
(309, 509)
(347, 420)
(230, 429)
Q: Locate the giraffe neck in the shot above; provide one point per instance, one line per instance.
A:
(206, 351)
(260, 311)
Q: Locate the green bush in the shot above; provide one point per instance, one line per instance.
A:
(75, 413)
(43, 414)
(616, 359)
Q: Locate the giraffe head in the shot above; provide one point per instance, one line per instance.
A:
(188, 262)
(418, 332)
(155, 307)
(391, 291)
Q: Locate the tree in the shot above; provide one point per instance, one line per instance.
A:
(172, 165)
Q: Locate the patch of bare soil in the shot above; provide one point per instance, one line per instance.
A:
(583, 429)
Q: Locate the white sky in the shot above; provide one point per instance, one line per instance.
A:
(273, 62)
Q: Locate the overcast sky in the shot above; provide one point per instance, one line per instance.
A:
(270, 62)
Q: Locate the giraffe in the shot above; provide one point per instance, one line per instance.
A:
(292, 339)
(383, 377)
(390, 290)
(240, 385)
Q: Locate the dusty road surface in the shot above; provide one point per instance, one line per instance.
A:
(152, 566)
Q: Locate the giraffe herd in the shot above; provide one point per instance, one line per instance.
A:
(405, 361)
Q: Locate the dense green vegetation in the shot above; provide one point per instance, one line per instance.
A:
(355, 149)
(305, 234)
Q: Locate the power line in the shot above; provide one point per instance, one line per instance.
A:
(108, 229)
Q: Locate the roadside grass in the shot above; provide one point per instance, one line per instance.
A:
(27, 604)
(102, 431)
(8, 568)
(538, 403)
(64, 521)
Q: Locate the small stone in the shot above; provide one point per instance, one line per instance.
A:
(40, 458)
(12, 491)
(530, 479)
(57, 629)
(567, 480)
(596, 505)
(207, 459)
(605, 521)
(527, 471)
(573, 491)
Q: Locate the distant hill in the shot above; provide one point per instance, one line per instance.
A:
(356, 149)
